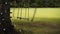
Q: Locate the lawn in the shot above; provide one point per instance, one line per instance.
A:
(43, 23)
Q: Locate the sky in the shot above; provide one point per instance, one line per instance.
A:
(40, 12)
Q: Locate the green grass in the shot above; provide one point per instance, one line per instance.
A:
(39, 25)
(47, 23)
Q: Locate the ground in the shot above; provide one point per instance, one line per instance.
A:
(38, 27)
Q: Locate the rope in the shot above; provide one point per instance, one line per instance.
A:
(25, 10)
(18, 11)
(26, 14)
(13, 12)
(21, 11)
(13, 17)
(28, 9)
(34, 15)
(18, 14)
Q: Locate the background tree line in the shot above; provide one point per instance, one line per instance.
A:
(35, 3)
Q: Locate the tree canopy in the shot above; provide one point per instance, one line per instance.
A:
(35, 3)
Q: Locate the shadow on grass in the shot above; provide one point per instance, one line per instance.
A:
(38, 27)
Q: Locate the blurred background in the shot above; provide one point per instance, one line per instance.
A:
(46, 20)
(35, 3)
(36, 16)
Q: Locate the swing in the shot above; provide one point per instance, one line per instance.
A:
(26, 13)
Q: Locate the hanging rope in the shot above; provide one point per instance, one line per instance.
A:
(25, 9)
(20, 17)
(13, 15)
(28, 13)
(25, 12)
(28, 9)
(18, 13)
(21, 11)
(13, 12)
(33, 15)
(18, 10)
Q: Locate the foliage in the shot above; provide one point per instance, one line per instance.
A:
(35, 3)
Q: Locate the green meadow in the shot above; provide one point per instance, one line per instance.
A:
(46, 20)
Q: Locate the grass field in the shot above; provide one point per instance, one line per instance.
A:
(44, 22)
